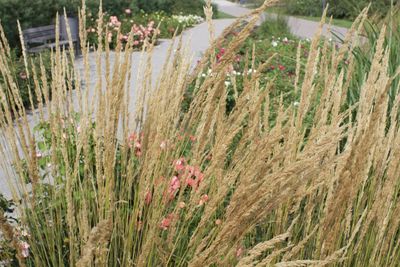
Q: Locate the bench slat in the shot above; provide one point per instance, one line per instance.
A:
(46, 35)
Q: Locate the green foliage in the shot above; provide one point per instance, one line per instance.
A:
(273, 27)
(364, 55)
(337, 8)
(7, 253)
(194, 7)
(21, 77)
(304, 7)
(272, 37)
(37, 13)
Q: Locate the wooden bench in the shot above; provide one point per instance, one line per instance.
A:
(43, 38)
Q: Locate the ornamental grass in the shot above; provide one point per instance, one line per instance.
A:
(268, 183)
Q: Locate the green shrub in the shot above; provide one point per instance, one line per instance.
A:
(37, 13)
(194, 7)
(363, 57)
(22, 78)
(304, 7)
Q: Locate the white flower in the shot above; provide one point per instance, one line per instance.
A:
(238, 73)
(330, 39)
(285, 40)
(227, 83)
(296, 104)
(24, 233)
(188, 20)
(234, 73)
(274, 44)
(203, 75)
(163, 145)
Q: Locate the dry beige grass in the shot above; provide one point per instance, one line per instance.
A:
(325, 191)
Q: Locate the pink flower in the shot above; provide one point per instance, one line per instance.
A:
(166, 222)
(138, 149)
(138, 145)
(272, 67)
(131, 137)
(114, 21)
(239, 252)
(191, 182)
(218, 222)
(174, 185)
(123, 37)
(192, 138)
(134, 142)
(24, 249)
(128, 11)
(194, 171)
(179, 164)
(148, 197)
(237, 58)
(163, 145)
(38, 155)
(203, 199)
(281, 67)
(135, 43)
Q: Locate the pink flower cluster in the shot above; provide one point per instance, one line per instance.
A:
(135, 144)
(192, 176)
(166, 222)
(114, 22)
(141, 33)
(220, 54)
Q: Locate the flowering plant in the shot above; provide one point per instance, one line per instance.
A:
(143, 26)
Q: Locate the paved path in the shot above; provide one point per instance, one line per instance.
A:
(299, 27)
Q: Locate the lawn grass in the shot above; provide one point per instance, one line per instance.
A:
(223, 15)
(337, 22)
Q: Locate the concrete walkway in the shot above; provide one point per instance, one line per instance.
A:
(299, 27)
